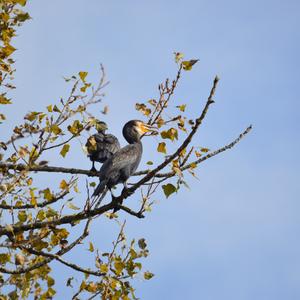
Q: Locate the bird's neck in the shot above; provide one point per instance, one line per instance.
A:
(133, 140)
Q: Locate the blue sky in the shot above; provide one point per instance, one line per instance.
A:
(234, 234)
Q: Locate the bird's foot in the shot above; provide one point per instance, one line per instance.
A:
(117, 204)
(93, 169)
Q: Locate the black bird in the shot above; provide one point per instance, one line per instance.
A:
(101, 146)
(119, 167)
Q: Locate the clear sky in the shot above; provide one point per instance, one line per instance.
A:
(235, 234)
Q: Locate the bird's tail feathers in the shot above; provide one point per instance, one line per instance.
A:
(100, 188)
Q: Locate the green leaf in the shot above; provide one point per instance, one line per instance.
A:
(142, 243)
(148, 275)
(56, 109)
(169, 189)
(91, 247)
(162, 147)
(65, 149)
(22, 17)
(47, 194)
(22, 2)
(22, 216)
(181, 107)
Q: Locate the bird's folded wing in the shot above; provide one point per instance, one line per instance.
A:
(121, 159)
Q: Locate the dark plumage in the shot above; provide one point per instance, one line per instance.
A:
(101, 146)
(119, 167)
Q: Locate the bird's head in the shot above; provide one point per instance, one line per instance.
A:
(134, 130)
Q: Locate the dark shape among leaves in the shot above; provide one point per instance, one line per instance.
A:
(101, 146)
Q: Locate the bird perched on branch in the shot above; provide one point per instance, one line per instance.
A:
(121, 165)
(101, 146)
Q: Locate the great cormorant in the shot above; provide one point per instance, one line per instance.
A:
(119, 167)
(101, 146)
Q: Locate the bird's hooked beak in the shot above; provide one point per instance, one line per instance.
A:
(146, 128)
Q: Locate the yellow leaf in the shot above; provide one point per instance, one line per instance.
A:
(181, 107)
(198, 154)
(171, 134)
(91, 287)
(193, 165)
(47, 194)
(33, 199)
(205, 150)
(50, 281)
(41, 215)
(178, 56)
(63, 185)
(34, 153)
(188, 64)
(104, 268)
(4, 100)
(76, 190)
(162, 147)
(83, 89)
(65, 149)
(72, 206)
(55, 129)
(4, 258)
(91, 247)
(22, 216)
(82, 75)
(49, 108)
(75, 128)
(8, 50)
(41, 117)
(119, 266)
(152, 102)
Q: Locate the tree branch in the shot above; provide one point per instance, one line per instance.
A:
(71, 265)
(49, 259)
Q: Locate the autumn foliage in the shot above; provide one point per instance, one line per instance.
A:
(40, 224)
